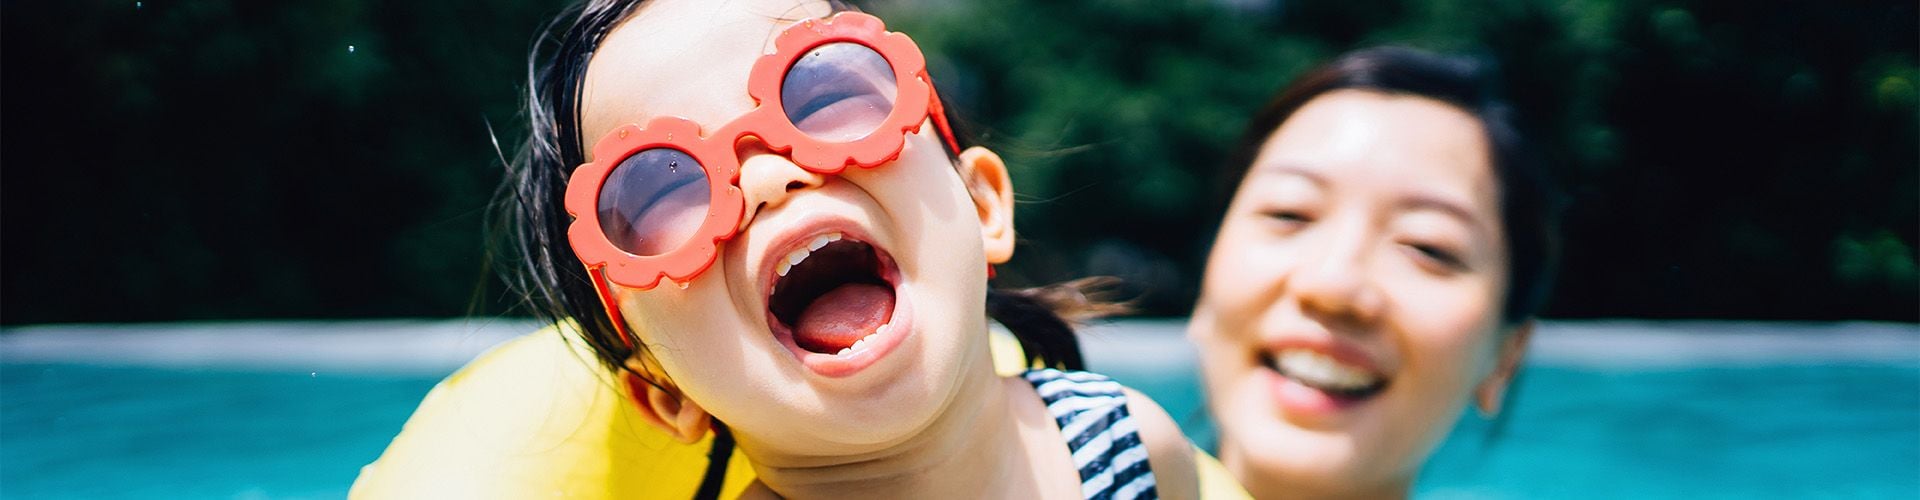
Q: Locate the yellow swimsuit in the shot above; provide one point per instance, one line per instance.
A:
(537, 417)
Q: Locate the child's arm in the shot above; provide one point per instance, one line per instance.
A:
(1168, 451)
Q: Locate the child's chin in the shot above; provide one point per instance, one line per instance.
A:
(878, 423)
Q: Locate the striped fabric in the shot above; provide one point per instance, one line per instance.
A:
(1092, 414)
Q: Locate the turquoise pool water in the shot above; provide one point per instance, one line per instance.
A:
(79, 431)
(1801, 418)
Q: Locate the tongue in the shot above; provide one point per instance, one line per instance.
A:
(842, 316)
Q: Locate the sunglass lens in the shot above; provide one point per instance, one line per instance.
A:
(839, 92)
(653, 201)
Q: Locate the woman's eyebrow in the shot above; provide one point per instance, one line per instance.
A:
(1293, 169)
(1426, 201)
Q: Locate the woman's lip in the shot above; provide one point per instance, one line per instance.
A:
(1302, 405)
(1343, 352)
(1307, 406)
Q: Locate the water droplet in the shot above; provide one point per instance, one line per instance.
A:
(623, 133)
(669, 136)
(137, 6)
(673, 166)
(349, 49)
(683, 284)
(313, 374)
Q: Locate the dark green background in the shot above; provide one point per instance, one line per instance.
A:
(172, 160)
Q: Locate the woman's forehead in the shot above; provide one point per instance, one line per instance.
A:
(1384, 137)
(1404, 151)
(686, 58)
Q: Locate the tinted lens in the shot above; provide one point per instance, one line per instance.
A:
(839, 92)
(653, 201)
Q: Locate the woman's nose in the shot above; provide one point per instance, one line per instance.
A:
(1336, 284)
(768, 179)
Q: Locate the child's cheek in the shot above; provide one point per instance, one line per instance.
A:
(673, 316)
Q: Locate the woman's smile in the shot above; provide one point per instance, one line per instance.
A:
(1316, 380)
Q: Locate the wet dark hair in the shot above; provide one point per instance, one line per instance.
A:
(1530, 205)
(550, 280)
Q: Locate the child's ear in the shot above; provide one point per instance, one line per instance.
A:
(1493, 390)
(665, 407)
(985, 175)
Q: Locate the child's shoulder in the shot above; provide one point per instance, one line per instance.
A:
(1124, 444)
(1159, 432)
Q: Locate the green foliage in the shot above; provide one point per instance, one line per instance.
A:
(225, 159)
(331, 158)
(1718, 153)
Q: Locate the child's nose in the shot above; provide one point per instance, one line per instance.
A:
(767, 178)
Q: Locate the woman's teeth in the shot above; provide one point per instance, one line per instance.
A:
(800, 254)
(1320, 371)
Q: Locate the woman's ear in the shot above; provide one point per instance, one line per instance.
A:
(985, 175)
(1493, 390)
(663, 405)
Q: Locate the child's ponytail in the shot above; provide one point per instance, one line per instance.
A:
(1041, 318)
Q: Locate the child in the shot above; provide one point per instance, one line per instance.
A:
(776, 240)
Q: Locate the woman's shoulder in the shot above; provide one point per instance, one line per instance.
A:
(535, 416)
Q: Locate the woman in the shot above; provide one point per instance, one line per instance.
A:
(1378, 270)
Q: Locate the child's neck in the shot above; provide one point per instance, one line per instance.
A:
(975, 449)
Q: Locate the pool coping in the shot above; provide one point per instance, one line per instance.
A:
(440, 345)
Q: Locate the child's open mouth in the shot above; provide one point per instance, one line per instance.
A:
(835, 297)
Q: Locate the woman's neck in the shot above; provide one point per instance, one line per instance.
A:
(1279, 486)
(969, 450)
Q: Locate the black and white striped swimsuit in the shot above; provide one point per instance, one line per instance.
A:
(1104, 439)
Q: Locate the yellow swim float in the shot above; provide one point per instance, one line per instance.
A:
(537, 417)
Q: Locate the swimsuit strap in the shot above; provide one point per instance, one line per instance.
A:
(1091, 411)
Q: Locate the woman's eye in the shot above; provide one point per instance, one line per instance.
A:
(1288, 216)
(1439, 256)
(1285, 222)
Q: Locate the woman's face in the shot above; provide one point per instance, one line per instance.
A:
(1351, 305)
(899, 244)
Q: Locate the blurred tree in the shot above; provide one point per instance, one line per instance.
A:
(331, 158)
(225, 159)
(1725, 160)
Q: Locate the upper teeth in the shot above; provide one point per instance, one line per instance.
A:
(799, 254)
(1319, 370)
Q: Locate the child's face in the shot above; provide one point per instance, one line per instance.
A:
(1351, 303)
(910, 256)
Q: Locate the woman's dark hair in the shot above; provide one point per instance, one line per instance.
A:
(1529, 204)
(533, 223)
